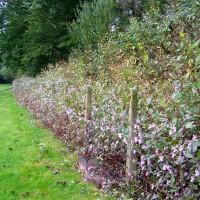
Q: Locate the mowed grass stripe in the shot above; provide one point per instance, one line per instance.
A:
(30, 158)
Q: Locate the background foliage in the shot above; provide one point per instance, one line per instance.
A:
(94, 21)
(159, 54)
(32, 35)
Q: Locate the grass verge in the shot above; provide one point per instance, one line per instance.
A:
(33, 164)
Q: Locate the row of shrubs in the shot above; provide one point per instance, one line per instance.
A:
(160, 56)
(167, 144)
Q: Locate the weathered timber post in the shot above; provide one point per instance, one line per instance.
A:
(65, 90)
(31, 85)
(43, 85)
(88, 104)
(87, 118)
(131, 156)
(65, 93)
(52, 90)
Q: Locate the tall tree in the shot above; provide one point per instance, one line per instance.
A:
(12, 27)
(32, 34)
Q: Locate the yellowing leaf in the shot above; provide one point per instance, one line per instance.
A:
(187, 75)
(163, 104)
(146, 57)
(181, 34)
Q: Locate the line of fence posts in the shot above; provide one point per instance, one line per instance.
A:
(52, 90)
(131, 158)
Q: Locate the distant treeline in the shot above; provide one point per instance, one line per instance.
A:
(36, 33)
(33, 34)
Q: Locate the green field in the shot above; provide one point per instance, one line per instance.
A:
(30, 158)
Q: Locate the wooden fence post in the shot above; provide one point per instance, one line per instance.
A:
(131, 156)
(65, 93)
(32, 86)
(87, 118)
(65, 90)
(52, 90)
(43, 85)
(88, 104)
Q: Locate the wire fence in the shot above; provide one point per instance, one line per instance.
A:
(129, 162)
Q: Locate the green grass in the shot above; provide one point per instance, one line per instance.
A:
(26, 167)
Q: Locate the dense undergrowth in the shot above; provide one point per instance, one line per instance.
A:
(159, 55)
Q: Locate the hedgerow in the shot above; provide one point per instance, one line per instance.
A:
(160, 56)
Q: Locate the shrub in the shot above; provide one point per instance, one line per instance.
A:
(94, 20)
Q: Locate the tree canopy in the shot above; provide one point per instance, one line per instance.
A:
(33, 34)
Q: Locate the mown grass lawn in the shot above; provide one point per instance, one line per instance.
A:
(33, 164)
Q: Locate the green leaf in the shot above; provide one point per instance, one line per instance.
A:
(189, 125)
(189, 155)
(198, 154)
(158, 145)
(163, 142)
(169, 114)
(172, 179)
(195, 146)
(197, 59)
(163, 104)
(195, 44)
(148, 101)
(174, 121)
(100, 115)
